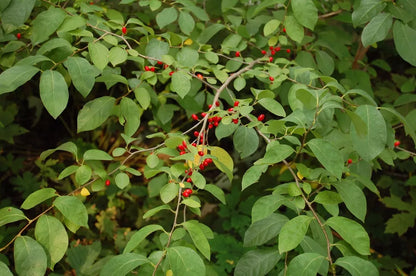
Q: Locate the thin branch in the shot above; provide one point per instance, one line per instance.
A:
(330, 14)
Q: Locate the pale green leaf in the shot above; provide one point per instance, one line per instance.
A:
(246, 141)
(96, 154)
(94, 113)
(306, 264)
(98, 54)
(404, 40)
(223, 161)
(166, 17)
(181, 83)
(122, 264)
(82, 74)
(261, 231)
(140, 236)
(252, 175)
(38, 197)
(257, 262)
(328, 156)
(53, 92)
(29, 257)
(46, 23)
(16, 76)
(216, 191)
(293, 232)
(198, 237)
(169, 192)
(185, 262)
(273, 106)
(305, 12)
(72, 209)
(10, 214)
(353, 198)
(377, 29)
(122, 180)
(357, 266)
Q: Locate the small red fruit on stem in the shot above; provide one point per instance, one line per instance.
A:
(18, 35)
(217, 103)
(200, 76)
(396, 144)
(284, 30)
(271, 78)
(107, 182)
(230, 109)
(187, 193)
(235, 121)
(277, 49)
(171, 73)
(260, 117)
(237, 54)
(263, 52)
(124, 30)
(196, 133)
(159, 62)
(288, 51)
(195, 117)
(349, 161)
(200, 153)
(236, 103)
(270, 59)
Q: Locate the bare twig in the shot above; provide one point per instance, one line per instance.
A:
(330, 14)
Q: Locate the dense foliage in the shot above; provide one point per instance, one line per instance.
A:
(219, 137)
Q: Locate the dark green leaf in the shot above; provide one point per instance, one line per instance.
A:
(73, 210)
(273, 106)
(328, 156)
(357, 266)
(46, 23)
(82, 74)
(155, 210)
(121, 265)
(16, 76)
(10, 214)
(131, 113)
(181, 83)
(53, 92)
(252, 175)
(37, 197)
(186, 22)
(198, 237)
(353, 198)
(185, 261)
(367, 10)
(257, 262)
(140, 235)
(262, 231)
(305, 12)
(16, 13)
(377, 29)
(306, 264)
(292, 233)
(94, 113)
(216, 191)
(404, 40)
(246, 141)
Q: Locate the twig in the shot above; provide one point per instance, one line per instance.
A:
(330, 14)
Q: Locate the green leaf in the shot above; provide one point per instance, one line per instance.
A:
(371, 145)
(223, 130)
(10, 214)
(263, 230)
(265, 206)
(166, 17)
(271, 26)
(306, 264)
(29, 257)
(46, 23)
(325, 62)
(4, 270)
(51, 234)
(68, 146)
(357, 266)
(16, 76)
(328, 197)
(82, 74)
(198, 180)
(223, 161)
(131, 113)
(328, 156)
(292, 233)
(157, 49)
(293, 29)
(377, 29)
(239, 83)
(305, 12)
(83, 174)
(38, 197)
(228, 4)
(185, 261)
(181, 83)
(352, 232)
(142, 96)
(404, 40)
(198, 237)
(353, 198)
(122, 264)
(273, 106)
(186, 22)
(95, 154)
(257, 262)
(122, 180)
(152, 160)
(117, 55)
(409, 129)
(155, 210)
(216, 191)
(169, 192)
(252, 175)
(16, 13)
(209, 32)
(98, 54)
(246, 141)
(187, 57)
(367, 10)
(275, 153)
(72, 209)
(53, 92)
(94, 113)
(400, 223)
(191, 203)
(140, 236)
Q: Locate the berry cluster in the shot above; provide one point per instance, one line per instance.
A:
(187, 192)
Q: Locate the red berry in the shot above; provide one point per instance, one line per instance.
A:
(201, 166)
(165, 66)
(185, 194)
(91, 3)
(159, 62)
(277, 49)
(210, 126)
(284, 30)
(18, 35)
(203, 114)
(271, 78)
(349, 161)
(230, 109)
(124, 30)
(209, 160)
(273, 52)
(271, 48)
(196, 133)
(182, 152)
(217, 103)
(146, 68)
(181, 147)
(209, 106)
(215, 124)
(195, 117)
(205, 163)
(200, 153)
(200, 76)
(263, 52)
(194, 144)
(396, 144)
(170, 73)
(235, 121)
(190, 172)
(189, 180)
(260, 117)
(107, 182)
(270, 59)
(237, 54)
(152, 69)
(184, 143)
(236, 103)
(288, 51)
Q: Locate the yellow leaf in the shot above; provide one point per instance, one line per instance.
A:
(188, 42)
(169, 272)
(300, 176)
(181, 185)
(85, 192)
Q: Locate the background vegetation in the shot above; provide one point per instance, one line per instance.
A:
(291, 121)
